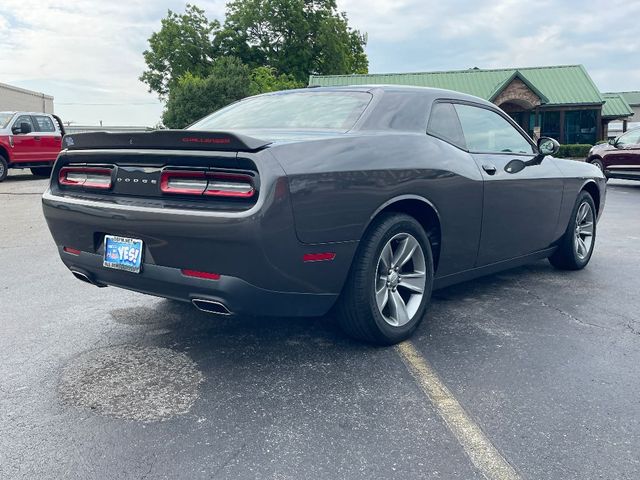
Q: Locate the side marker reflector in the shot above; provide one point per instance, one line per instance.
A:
(318, 257)
(197, 274)
(72, 251)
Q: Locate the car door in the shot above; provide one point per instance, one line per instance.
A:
(520, 209)
(625, 155)
(50, 138)
(25, 145)
(460, 203)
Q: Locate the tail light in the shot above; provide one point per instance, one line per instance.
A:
(229, 185)
(86, 177)
(215, 184)
(183, 183)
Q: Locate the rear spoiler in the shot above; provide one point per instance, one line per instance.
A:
(60, 124)
(164, 140)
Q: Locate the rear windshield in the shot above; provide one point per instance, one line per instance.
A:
(300, 110)
(5, 118)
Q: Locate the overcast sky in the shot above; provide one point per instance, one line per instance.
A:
(88, 53)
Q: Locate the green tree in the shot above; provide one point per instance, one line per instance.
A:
(192, 97)
(296, 37)
(184, 44)
(265, 79)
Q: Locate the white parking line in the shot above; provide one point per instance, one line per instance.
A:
(477, 446)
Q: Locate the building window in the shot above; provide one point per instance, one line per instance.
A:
(581, 126)
(550, 124)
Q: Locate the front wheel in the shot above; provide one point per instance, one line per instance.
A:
(598, 163)
(389, 285)
(576, 246)
(41, 171)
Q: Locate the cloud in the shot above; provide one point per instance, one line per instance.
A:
(85, 52)
(415, 35)
(88, 53)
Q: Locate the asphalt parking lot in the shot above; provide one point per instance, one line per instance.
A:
(104, 383)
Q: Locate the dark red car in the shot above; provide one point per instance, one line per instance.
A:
(620, 158)
(29, 140)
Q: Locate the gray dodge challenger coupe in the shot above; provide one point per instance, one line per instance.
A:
(291, 203)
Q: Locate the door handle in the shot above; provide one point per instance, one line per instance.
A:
(36, 138)
(490, 169)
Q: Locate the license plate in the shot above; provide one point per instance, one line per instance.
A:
(122, 253)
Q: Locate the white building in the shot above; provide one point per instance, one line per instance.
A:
(18, 99)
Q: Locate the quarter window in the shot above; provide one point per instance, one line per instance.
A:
(486, 131)
(444, 124)
(45, 124)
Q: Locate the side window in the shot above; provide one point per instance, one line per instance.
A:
(630, 138)
(488, 132)
(45, 124)
(24, 119)
(444, 124)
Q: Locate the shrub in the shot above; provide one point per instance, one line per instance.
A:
(574, 150)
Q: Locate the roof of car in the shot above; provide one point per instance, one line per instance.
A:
(435, 93)
(27, 113)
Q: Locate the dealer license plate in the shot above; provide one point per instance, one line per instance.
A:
(122, 253)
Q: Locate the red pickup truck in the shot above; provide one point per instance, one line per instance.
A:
(29, 140)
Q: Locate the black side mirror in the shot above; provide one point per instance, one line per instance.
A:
(546, 146)
(612, 141)
(515, 166)
(23, 129)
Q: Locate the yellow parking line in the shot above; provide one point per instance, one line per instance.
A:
(480, 450)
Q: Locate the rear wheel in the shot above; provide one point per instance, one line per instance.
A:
(4, 168)
(576, 246)
(389, 286)
(41, 171)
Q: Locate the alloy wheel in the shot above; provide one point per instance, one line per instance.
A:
(583, 237)
(400, 279)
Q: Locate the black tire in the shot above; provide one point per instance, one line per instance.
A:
(567, 256)
(357, 309)
(4, 168)
(598, 163)
(41, 171)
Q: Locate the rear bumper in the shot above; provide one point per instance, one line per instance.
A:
(256, 253)
(237, 295)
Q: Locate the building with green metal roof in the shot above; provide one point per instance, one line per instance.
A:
(561, 102)
(633, 100)
(615, 106)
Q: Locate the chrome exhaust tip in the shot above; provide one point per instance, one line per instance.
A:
(86, 278)
(210, 306)
(82, 276)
